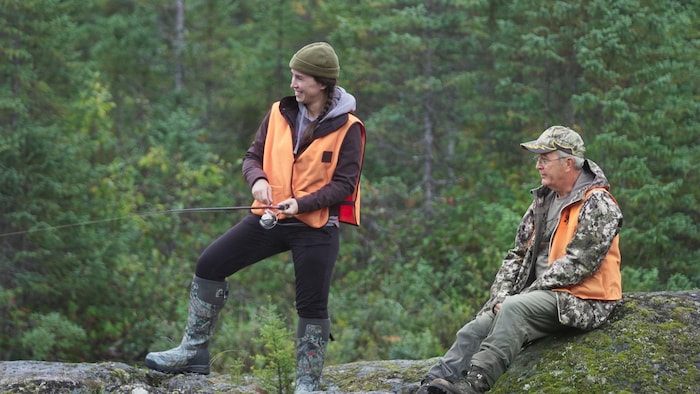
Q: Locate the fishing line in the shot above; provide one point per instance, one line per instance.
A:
(143, 214)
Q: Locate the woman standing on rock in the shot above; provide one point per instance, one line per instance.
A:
(305, 163)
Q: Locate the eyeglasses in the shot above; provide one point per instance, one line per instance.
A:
(544, 162)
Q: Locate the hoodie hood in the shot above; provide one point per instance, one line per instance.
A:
(343, 103)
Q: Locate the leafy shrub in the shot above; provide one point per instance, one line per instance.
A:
(53, 338)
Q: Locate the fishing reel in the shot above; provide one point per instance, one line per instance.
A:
(268, 220)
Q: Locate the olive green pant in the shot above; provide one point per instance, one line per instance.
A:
(491, 341)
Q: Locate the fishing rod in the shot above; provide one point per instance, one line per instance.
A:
(267, 220)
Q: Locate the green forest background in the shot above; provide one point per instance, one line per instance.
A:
(113, 108)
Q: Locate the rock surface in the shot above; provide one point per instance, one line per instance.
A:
(651, 345)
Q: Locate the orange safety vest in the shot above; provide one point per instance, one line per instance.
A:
(296, 177)
(606, 283)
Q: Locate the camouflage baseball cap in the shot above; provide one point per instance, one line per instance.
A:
(557, 138)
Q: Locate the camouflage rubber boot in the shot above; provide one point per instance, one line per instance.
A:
(207, 298)
(313, 335)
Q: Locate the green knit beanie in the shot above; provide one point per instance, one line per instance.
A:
(317, 59)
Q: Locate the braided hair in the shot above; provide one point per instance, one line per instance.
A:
(308, 133)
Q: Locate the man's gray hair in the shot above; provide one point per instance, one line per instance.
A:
(578, 161)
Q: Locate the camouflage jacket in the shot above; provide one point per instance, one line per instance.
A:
(600, 221)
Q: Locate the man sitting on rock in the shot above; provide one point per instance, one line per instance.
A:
(563, 271)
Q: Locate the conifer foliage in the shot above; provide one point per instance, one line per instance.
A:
(110, 109)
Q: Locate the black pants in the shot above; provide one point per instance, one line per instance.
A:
(314, 252)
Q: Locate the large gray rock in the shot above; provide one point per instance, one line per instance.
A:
(651, 345)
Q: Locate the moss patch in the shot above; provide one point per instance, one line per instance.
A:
(651, 345)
